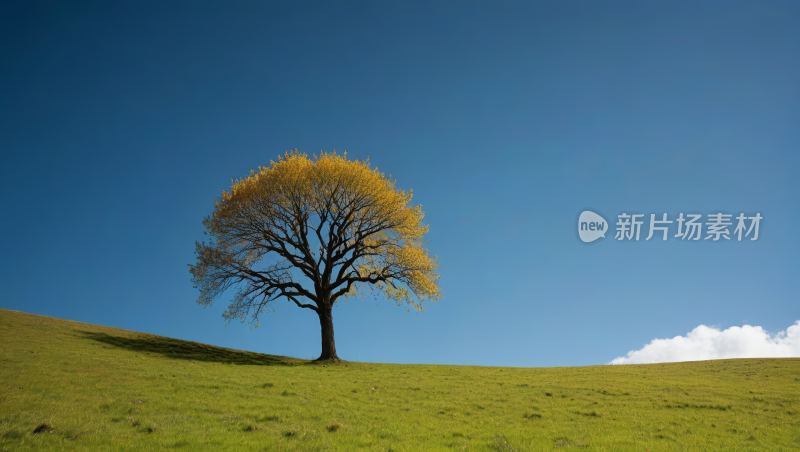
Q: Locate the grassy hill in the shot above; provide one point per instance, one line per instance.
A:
(89, 387)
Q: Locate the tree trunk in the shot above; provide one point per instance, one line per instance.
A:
(328, 344)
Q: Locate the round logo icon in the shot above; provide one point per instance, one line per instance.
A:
(591, 226)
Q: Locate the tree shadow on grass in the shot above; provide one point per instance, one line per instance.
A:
(189, 350)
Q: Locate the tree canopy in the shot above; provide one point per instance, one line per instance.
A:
(341, 225)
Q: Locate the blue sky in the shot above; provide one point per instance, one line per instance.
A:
(121, 122)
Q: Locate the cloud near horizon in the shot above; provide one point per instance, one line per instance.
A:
(705, 342)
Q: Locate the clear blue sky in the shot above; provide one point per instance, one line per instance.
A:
(121, 122)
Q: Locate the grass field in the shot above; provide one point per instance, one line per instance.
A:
(89, 387)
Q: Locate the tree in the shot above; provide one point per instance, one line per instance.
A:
(366, 234)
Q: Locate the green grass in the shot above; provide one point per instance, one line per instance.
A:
(89, 387)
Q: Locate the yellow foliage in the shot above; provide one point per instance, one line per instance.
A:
(288, 192)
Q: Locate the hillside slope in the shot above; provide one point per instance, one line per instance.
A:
(89, 387)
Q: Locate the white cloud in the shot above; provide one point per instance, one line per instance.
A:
(710, 343)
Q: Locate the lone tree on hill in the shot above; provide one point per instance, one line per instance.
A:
(362, 228)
